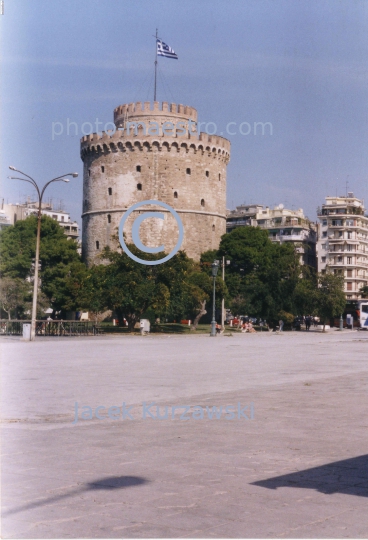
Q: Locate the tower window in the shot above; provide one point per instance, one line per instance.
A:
(139, 187)
(97, 244)
(102, 168)
(138, 168)
(207, 173)
(110, 191)
(89, 172)
(188, 171)
(175, 194)
(219, 176)
(202, 202)
(108, 218)
(213, 227)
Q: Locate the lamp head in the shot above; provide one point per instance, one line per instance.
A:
(215, 267)
(74, 174)
(65, 179)
(12, 168)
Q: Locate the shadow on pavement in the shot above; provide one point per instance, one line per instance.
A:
(348, 476)
(108, 483)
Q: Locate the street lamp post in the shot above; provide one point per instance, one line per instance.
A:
(40, 196)
(215, 267)
(223, 299)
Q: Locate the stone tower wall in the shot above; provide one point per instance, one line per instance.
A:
(186, 171)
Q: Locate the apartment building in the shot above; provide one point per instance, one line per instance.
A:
(11, 213)
(343, 241)
(283, 225)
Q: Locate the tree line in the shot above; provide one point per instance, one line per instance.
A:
(263, 280)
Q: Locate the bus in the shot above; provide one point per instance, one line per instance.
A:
(363, 313)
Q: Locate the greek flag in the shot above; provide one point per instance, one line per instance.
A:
(165, 50)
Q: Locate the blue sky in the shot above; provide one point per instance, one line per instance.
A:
(301, 65)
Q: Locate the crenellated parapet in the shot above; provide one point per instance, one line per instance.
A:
(203, 143)
(156, 109)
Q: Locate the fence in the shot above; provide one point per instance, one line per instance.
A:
(50, 328)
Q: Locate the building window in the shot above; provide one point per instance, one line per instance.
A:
(207, 173)
(175, 194)
(219, 176)
(108, 218)
(62, 218)
(349, 260)
(89, 172)
(138, 168)
(213, 227)
(323, 259)
(97, 244)
(324, 234)
(102, 168)
(339, 259)
(188, 171)
(324, 222)
(202, 202)
(139, 187)
(349, 286)
(349, 273)
(110, 191)
(350, 247)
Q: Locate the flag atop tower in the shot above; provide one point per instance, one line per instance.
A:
(165, 50)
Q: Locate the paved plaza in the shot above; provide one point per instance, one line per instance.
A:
(292, 465)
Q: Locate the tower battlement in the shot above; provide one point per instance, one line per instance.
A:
(157, 109)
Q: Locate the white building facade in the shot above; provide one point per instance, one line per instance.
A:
(282, 225)
(343, 242)
(11, 213)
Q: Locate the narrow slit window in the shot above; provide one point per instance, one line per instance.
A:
(110, 191)
(138, 168)
(139, 187)
(219, 176)
(188, 171)
(207, 173)
(97, 244)
(89, 172)
(202, 202)
(108, 218)
(175, 194)
(102, 168)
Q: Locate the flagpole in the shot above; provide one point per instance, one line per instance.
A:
(154, 95)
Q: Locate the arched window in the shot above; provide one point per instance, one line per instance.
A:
(202, 202)
(97, 244)
(139, 187)
(108, 218)
(175, 194)
(188, 171)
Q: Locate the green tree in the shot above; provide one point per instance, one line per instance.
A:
(263, 275)
(364, 291)
(330, 297)
(13, 296)
(59, 257)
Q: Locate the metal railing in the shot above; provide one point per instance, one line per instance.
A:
(50, 328)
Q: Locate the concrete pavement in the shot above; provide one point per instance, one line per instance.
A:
(298, 469)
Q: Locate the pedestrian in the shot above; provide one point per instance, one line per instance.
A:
(307, 323)
(281, 325)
